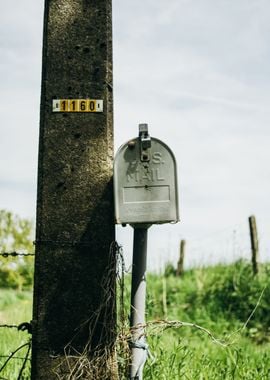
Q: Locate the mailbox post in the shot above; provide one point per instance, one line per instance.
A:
(145, 193)
(138, 344)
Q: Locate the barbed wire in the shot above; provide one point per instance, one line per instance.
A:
(15, 254)
(24, 326)
(63, 243)
(12, 356)
(9, 327)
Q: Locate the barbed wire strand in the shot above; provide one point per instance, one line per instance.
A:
(11, 356)
(9, 326)
(14, 358)
(25, 361)
(15, 254)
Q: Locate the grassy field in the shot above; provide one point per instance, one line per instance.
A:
(228, 301)
(231, 304)
(15, 308)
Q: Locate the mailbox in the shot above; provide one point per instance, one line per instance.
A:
(145, 182)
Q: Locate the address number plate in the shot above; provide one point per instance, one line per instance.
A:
(77, 105)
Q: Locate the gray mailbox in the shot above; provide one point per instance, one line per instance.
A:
(145, 181)
(145, 193)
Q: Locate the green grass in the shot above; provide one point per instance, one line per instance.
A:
(221, 299)
(203, 360)
(15, 308)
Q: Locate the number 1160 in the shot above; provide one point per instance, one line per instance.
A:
(77, 105)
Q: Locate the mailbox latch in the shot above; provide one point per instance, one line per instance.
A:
(145, 142)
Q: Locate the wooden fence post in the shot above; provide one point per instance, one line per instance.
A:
(254, 243)
(180, 265)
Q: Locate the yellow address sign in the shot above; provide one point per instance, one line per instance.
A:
(77, 105)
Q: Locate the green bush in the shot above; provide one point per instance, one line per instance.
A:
(16, 234)
(207, 295)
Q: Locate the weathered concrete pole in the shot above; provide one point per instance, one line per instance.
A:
(75, 225)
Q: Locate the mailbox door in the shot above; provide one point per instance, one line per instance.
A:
(145, 191)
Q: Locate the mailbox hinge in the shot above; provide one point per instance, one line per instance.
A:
(145, 142)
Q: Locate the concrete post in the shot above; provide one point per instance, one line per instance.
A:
(75, 226)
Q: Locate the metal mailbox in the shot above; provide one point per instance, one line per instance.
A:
(145, 181)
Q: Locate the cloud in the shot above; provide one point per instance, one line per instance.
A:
(196, 71)
(20, 69)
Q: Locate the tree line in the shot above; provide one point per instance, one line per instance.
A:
(16, 236)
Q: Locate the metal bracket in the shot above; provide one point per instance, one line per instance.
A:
(145, 142)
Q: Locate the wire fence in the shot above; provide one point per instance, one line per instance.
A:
(24, 359)
(15, 254)
(225, 246)
(12, 356)
(22, 327)
(222, 247)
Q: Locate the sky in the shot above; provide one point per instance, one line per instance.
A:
(198, 73)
